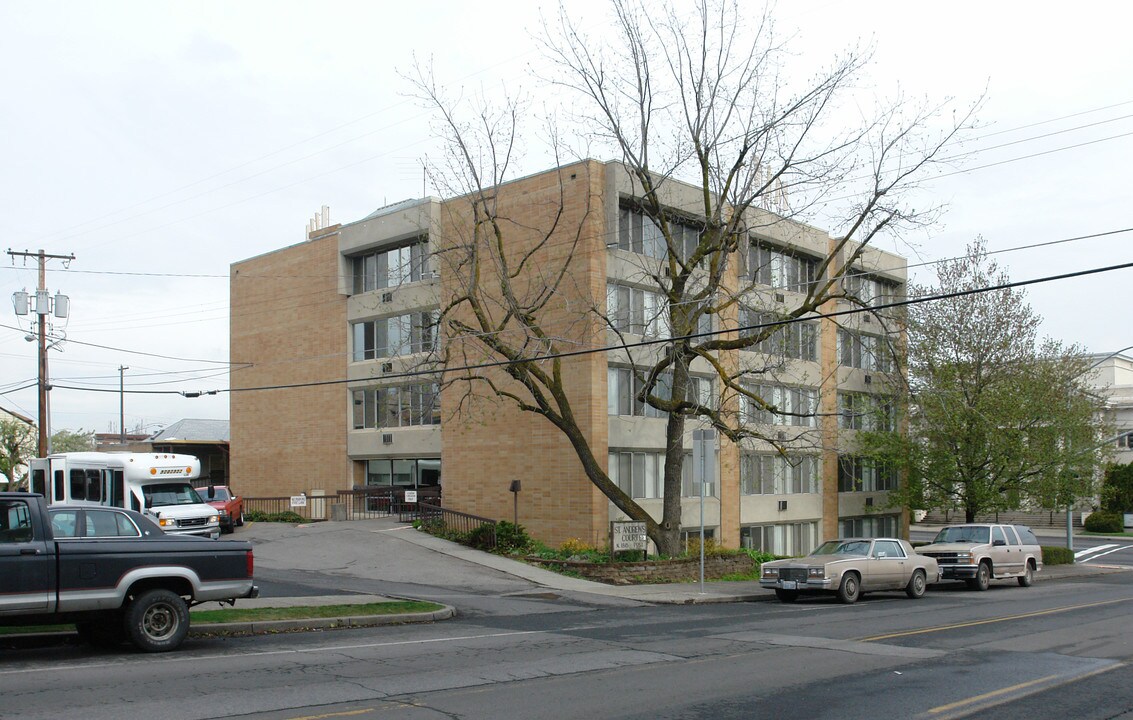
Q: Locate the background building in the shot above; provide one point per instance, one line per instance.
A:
(331, 338)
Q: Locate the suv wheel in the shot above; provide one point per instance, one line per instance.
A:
(982, 579)
(1028, 575)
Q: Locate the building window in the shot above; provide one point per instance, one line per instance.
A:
(773, 474)
(870, 526)
(395, 336)
(788, 539)
(857, 474)
(862, 411)
(644, 312)
(389, 267)
(866, 352)
(788, 405)
(641, 475)
(1125, 441)
(781, 269)
(797, 340)
(870, 290)
(411, 472)
(623, 384)
(397, 406)
(638, 233)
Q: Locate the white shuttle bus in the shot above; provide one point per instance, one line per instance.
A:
(158, 484)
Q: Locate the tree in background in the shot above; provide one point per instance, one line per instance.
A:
(72, 441)
(18, 442)
(704, 97)
(1117, 488)
(997, 419)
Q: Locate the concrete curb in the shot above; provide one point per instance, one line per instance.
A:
(263, 627)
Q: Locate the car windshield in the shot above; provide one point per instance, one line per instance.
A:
(963, 534)
(170, 494)
(843, 547)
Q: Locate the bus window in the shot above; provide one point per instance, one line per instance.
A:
(39, 482)
(117, 486)
(94, 485)
(60, 495)
(78, 484)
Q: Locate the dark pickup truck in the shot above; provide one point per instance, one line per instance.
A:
(112, 572)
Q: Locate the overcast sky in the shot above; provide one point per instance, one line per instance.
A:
(159, 142)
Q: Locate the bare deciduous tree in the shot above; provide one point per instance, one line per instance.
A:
(704, 101)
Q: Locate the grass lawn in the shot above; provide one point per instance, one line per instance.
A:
(394, 607)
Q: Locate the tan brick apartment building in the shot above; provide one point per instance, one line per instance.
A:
(323, 332)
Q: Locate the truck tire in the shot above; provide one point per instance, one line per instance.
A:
(982, 579)
(240, 518)
(157, 620)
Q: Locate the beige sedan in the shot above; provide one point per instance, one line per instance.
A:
(850, 567)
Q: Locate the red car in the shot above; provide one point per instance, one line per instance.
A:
(229, 505)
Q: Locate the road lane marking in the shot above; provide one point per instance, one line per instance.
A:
(969, 706)
(1091, 551)
(988, 621)
(345, 713)
(292, 651)
(1119, 548)
(988, 695)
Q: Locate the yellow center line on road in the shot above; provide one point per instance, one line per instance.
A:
(974, 623)
(988, 695)
(344, 713)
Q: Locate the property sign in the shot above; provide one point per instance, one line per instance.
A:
(628, 536)
(298, 501)
(410, 496)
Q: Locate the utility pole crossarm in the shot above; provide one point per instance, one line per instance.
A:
(42, 310)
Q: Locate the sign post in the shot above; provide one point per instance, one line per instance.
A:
(703, 471)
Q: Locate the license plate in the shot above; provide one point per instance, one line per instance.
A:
(790, 585)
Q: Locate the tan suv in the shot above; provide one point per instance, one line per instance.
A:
(980, 553)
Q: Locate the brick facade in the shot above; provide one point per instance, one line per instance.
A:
(287, 328)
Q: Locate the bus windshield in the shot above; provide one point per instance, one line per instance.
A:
(174, 493)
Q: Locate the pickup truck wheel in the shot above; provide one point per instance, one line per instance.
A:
(917, 585)
(157, 620)
(982, 579)
(1028, 575)
(787, 596)
(107, 632)
(849, 589)
(240, 519)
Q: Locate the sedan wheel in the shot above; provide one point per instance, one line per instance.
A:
(917, 585)
(850, 588)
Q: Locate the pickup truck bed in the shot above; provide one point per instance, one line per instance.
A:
(135, 585)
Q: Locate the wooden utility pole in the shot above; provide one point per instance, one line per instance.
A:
(43, 307)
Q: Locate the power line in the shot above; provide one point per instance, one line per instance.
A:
(645, 343)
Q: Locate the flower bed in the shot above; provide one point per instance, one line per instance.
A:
(652, 571)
